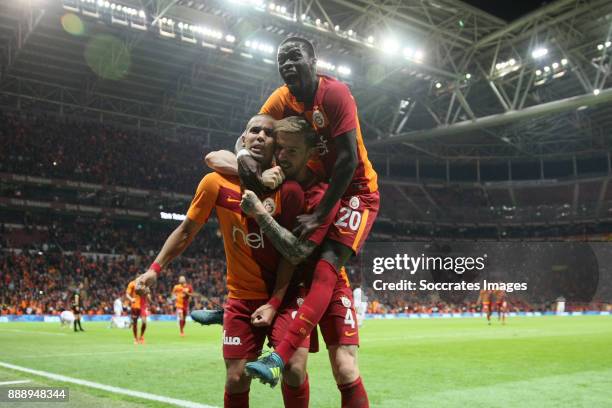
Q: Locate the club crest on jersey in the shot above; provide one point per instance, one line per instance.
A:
(322, 145)
(299, 301)
(269, 205)
(354, 202)
(318, 118)
(346, 302)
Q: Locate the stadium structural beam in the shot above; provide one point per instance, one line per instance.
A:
(28, 20)
(501, 119)
(22, 90)
(407, 198)
(523, 22)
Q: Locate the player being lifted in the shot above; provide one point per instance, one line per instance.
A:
(138, 309)
(257, 278)
(484, 298)
(181, 293)
(330, 108)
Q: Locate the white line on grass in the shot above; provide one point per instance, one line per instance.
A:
(32, 332)
(14, 382)
(108, 388)
(97, 353)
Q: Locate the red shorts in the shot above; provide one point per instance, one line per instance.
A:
(242, 340)
(339, 322)
(139, 312)
(184, 309)
(354, 220)
(486, 306)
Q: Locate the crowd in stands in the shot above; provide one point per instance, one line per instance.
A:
(43, 283)
(102, 235)
(44, 146)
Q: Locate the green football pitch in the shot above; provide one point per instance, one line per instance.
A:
(530, 362)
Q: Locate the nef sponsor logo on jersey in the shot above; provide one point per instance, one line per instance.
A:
(231, 341)
(252, 240)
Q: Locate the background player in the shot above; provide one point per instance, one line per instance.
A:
(66, 318)
(484, 298)
(501, 304)
(182, 293)
(138, 309)
(117, 319)
(361, 304)
(77, 307)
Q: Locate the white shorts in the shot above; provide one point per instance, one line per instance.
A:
(67, 316)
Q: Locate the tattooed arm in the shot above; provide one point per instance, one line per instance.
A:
(284, 241)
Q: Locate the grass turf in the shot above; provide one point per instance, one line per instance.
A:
(531, 362)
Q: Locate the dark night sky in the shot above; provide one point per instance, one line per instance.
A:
(508, 10)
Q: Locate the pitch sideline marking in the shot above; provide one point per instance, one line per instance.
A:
(15, 382)
(108, 388)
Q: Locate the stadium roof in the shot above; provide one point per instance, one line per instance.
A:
(460, 100)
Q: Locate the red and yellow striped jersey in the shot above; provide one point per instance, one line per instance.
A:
(182, 294)
(138, 302)
(251, 258)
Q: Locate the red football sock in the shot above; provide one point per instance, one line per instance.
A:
(143, 327)
(354, 395)
(182, 324)
(135, 328)
(315, 303)
(239, 400)
(296, 397)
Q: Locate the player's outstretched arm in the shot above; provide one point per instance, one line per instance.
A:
(284, 241)
(344, 169)
(175, 244)
(178, 241)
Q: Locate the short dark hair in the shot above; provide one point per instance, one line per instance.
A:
(307, 44)
(239, 144)
(297, 125)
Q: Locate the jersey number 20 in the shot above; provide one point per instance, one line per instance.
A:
(354, 218)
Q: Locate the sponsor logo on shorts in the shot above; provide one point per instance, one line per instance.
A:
(350, 334)
(354, 202)
(232, 200)
(346, 302)
(231, 341)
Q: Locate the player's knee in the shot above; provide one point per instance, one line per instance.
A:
(294, 373)
(344, 364)
(235, 380)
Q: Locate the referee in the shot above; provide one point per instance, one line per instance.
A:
(77, 307)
